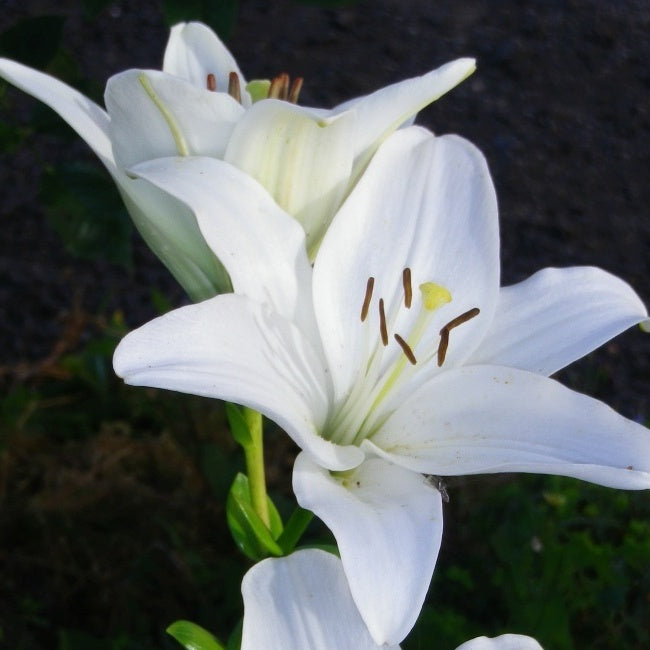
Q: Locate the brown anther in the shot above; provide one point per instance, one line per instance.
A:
(463, 318)
(212, 82)
(442, 347)
(382, 323)
(408, 289)
(406, 349)
(296, 87)
(444, 332)
(234, 89)
(279, 88)
(366, 301)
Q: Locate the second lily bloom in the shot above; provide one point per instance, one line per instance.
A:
(307, 158)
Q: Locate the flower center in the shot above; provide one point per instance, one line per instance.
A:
(280, 87)
(369, 402)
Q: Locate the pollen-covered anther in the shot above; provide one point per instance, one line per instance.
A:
(234, 88)
(283, 88)
(279, 88)
(444, 332)
(296, 87)
(383, 329)
(408, 353)
(408, 289)
(211, 82)
(368, 297)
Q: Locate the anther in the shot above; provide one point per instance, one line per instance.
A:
(463, 318)
(366, 301)
(444, 332)
(212, 82)
(234, 89)
(279, 88)
(408, 289)
(442, 347)
(382, 323)
(296, 87)
(406, 349)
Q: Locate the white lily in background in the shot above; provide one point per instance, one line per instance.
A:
(307, 158)
(396, 356)
(303, 601)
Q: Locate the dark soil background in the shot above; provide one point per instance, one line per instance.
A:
(559, 106)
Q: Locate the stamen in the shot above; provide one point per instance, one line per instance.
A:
(442, 348)
(382, 323)
(366, 301)
(408, 289)
(444, 332)
(212, 82)
(463, 318)
(406, 349)
(296, 87)
(279, 87)
(234, 89)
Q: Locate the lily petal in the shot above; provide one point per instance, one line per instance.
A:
(171, 231)
(489, 419)
(385, 110)
(154, 115)
(557, 316)
(426, 203)
(503, 642)
(388, 526)
(89, 120)
(194, 51)
(234, 349)
(299, 602)
(260, 245)
(302, 160)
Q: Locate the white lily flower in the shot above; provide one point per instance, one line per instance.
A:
(396, 356)
(307, 158)
(303, 601)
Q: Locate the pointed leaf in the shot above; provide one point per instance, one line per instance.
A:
(193, 637)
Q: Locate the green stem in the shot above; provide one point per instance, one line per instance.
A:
(254, 454)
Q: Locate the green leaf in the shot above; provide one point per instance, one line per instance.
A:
(234, 640)
(193, 637)
(86, 211)
(218, 14)
(250, 533)
(33, 41)
(238, 426)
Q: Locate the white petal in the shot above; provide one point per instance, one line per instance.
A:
(487, 419)
(303, 161)
(154, 114)
(425, 203)
(171, 231)
(302, 602)
(234, 349)
(83, 115)
(387, 522)
(261, 246)
(194, 51)
(557, 316)
(503, 642)
(384, 111)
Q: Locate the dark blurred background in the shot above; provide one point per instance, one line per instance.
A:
(559, 105)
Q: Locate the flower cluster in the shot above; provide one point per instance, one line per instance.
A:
(360, 308)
